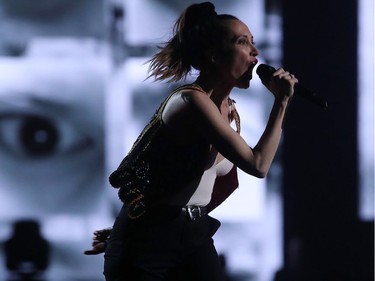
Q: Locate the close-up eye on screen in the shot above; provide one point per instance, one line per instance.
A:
(140, 140)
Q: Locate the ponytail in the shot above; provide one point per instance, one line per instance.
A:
(168, 63)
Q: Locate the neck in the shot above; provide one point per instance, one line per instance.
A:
(215, 88)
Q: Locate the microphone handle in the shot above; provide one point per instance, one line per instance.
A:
(310, 96)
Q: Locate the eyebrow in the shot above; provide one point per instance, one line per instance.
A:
(30, 101)
(245, 35)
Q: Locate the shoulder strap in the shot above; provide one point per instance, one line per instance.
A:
(234, 114)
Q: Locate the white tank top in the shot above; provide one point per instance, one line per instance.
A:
(202, 195)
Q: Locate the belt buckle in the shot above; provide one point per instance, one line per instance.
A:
(194, 212)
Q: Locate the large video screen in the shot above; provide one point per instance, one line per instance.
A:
(73, 99)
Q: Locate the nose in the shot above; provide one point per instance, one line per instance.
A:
(254, 51)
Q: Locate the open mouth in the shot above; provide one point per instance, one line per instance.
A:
(249, 72)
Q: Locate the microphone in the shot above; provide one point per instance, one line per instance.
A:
(265, 72)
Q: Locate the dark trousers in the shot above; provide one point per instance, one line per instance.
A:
(163, 245)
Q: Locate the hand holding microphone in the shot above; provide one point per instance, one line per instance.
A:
(265, 73)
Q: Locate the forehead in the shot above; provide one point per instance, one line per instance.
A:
(237, 28)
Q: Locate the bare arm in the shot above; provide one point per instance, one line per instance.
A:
(281, 86)
(265, 150)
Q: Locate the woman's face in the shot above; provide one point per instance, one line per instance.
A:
(239, 58)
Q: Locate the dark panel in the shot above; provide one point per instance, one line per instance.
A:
(320, 147)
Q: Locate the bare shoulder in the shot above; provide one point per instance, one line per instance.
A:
(180, 114)
(182, 104)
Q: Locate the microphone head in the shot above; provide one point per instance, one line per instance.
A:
(265, 72)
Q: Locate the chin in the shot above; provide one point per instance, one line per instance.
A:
(244, 84)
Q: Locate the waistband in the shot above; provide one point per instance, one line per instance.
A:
(167, 212)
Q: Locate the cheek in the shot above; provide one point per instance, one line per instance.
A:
(234, 64)
(239, 66)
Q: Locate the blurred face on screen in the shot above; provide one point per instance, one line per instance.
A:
(51, 135)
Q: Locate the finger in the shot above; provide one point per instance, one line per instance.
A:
(289, 76)
(285, 75)
(102, 233)
(99, 246)
(293, 78)
(278, 72)
(98, 242)
(92, 252)
(96, 249)
(99, 237)
(282, 75)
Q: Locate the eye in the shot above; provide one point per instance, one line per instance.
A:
(243, 41)
(38, 136)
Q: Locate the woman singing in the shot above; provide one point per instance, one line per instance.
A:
(184, 162)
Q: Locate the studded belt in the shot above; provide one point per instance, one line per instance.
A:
(194, 212)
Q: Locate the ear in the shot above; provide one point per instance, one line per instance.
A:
(211, 56)
(216, 57)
